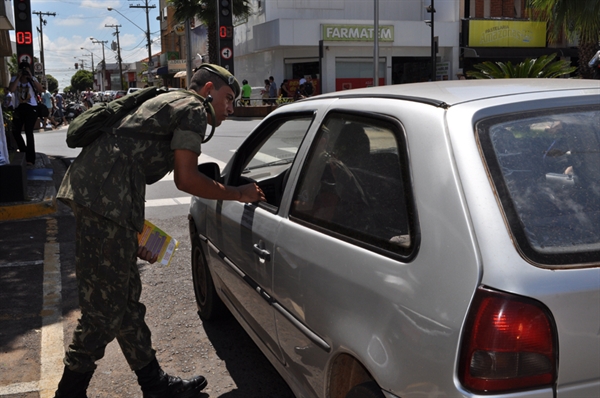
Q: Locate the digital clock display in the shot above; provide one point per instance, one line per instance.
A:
(225, 32)
(24, 38)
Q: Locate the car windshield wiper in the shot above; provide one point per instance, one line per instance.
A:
(269, 164)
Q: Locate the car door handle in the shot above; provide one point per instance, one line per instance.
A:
(263, 254)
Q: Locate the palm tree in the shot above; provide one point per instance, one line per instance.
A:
(206, 11)
(541, 67)
(576, 19)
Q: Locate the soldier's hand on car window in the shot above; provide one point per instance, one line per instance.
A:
(251, 193)
(147, 255)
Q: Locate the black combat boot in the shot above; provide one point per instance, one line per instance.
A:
(73, 384)
(156, 383)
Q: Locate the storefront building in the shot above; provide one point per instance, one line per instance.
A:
(333, 40)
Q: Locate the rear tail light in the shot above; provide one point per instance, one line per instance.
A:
(509, 343)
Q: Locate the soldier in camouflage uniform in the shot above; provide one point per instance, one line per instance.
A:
(105, 186)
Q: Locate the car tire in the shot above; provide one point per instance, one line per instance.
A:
(209, 304)
(370, 389)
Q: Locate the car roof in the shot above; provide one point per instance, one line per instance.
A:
(452, 92)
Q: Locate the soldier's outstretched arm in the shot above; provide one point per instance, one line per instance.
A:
(189, 179)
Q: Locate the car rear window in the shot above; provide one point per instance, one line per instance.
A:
(546, 169)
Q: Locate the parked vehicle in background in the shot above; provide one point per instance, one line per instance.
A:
(421, 240)
(98, 97)
(109, 95)
(73, 109)
(132, 89)
(119, 94)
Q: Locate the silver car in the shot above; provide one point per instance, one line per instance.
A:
(422, 240)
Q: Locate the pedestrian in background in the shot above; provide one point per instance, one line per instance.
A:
(284, 89)
(272, 91)
(265, 92)
(88, 98)
(300, 92)
(47, 100)
(24, 86)
(60, 111)
(105, 187)
(309, 88)
(246, 93)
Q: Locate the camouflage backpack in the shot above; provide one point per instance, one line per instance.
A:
(88, 126)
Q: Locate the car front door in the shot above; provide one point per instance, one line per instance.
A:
(243, 234)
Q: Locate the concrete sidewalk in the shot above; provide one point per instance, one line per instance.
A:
(41, 193)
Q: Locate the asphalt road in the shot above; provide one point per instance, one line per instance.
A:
(38, 301)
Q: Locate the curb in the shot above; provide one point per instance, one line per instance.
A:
(40, 190)
(29, 210)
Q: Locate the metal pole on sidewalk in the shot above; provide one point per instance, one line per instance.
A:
(118, 54)
(376, 45)
(103, 88)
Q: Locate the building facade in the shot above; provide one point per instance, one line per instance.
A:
(333, 40)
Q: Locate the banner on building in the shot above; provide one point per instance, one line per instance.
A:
(506, 33)
(176, 65)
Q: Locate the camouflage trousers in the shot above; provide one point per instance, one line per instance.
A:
(109, 286)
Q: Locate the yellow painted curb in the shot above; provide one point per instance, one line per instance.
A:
(28, 210)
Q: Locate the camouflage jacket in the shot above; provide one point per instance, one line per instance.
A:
(110, 175)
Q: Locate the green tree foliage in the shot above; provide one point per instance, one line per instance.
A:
(52, 83)
(541, 67)
(82, 80)
(206, 11)
(13, 65)
(575, 19)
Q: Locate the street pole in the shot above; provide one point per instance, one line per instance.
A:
(188, 51)
(103, 61)
(93, 71)
(41, 30)
(376, 46)
(118, 53)
(431, 9)
(150, 62)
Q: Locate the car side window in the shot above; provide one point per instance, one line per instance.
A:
(355, 183)
(271, 156)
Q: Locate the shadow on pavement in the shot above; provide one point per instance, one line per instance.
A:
(254, 378)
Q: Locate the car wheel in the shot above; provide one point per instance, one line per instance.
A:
(209, 304)
(370, 389)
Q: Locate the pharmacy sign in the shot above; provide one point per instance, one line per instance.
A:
(356, 33)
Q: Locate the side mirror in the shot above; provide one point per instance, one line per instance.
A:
(211, 170)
